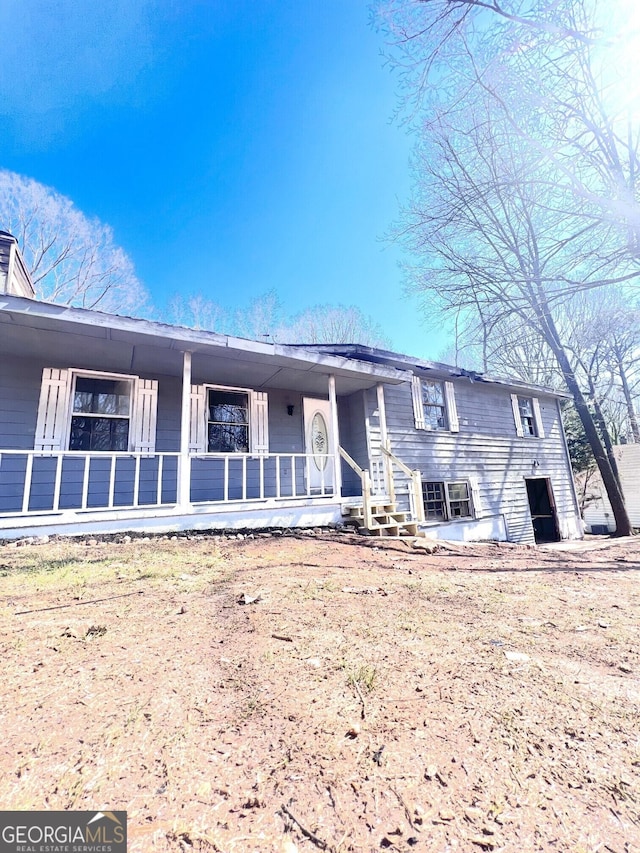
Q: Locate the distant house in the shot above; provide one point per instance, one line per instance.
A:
(598, 515)
(110, 424)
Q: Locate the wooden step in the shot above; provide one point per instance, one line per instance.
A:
(386, 520)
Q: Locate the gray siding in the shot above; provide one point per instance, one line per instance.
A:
(488, 450)
(353, 438)
(19, 394)
(20, 381)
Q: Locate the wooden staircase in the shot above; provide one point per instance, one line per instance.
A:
(377, 513)
(385, 520)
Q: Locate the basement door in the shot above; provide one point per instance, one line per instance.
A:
(543, 509)
(318, 440)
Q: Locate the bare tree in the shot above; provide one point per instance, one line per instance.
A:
(264, 319)
(260, 319)
(561, 72)
(623, 335)
(527, 167)
(197, 311)
(500, 238)
(72, 259)
(332, 324)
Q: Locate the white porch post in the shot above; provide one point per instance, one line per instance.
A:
(382, 416)
(184, 465)
(337, 467)
(384, 441)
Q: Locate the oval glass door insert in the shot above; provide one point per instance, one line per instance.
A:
(319, 440)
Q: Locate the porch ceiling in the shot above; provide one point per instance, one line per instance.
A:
(61, 337)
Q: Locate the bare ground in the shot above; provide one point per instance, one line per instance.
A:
(374, 697)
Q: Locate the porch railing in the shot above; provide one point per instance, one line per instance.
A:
(40, 482)
(365, 480)
(35, 482)
(227, 477)
(416, 503)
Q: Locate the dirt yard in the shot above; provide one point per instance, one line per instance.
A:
(326, 692)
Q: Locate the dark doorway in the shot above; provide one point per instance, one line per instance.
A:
(543, 510)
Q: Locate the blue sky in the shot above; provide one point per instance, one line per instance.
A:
(234, 147)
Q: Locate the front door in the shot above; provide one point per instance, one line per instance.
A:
(543, 511)
(318, 441)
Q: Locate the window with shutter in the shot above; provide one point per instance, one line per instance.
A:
(434, 405)
(527, 416)
(229, 420)
(94, 412)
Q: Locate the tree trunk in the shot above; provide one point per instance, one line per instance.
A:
(628, 399)
(614, 493)
(601, 425)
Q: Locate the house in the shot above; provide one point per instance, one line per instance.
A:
(598, 515)
(110, 423)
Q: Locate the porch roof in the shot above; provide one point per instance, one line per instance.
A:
(77, 337)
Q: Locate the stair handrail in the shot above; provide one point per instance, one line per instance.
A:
(365, 479)
(416, 504)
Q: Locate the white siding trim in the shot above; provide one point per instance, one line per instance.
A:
(452, 411)
(517, 418)
(418, 409)
(53, 410)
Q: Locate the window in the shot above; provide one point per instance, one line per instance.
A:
(525, 406)
(435, 506)
(100, 414)
(527, 416)
(88, 411)
(443, 501)
(459, 500)
(435, 415)
(228, 421)
(434, 405)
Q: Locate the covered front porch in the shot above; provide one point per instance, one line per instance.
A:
(274, 456)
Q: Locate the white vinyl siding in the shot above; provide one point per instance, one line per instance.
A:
(485, 450)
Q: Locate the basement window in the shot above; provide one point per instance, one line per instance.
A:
(444, 501)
